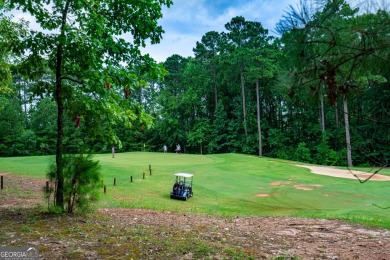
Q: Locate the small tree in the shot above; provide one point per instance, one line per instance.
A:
(200, 134)
(302, 153)
(81, 182)
(325, 155)
(95, 68)
(219, 131)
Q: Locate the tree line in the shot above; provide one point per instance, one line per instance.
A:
(319, 93)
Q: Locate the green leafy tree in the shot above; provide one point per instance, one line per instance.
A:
(43, 118)
(94, 66)
(334, 46)
(11, 126)
(239, 34)
(200, 133)
(219, 133)
(194, 98)
(25, 144)
(325, 155)
(262, 67)
(279, 144)
(172, 123)
(248, 49)
(208, 51)
(11, 34)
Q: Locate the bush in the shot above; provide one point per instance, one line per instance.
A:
(326, 155)
(81, 182)
(278, 143)
(3, 150)
(29, 141)
(302, 153)
(285, 153)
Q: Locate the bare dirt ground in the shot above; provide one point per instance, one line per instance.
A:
(147, 234)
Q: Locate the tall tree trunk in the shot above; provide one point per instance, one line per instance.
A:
(60, 113)
(22, 100)
(243, 100)
(60, 131)
(322, 114)
(279, 122)
(347, 134)
(336, 114)
(258, 118)
(215, 86)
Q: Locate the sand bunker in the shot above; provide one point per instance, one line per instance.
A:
(340, 173)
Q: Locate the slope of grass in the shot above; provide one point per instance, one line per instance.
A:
(29, 166)
(228, 185)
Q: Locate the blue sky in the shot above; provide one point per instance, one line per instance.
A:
(186, 21)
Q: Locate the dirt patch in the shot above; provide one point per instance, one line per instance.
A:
(306, 187)
(262, 195)
(302, 187)
(275, 183)
(330, 171)
(21, 192)
(280, 183)
(296, 186)
(148, 234)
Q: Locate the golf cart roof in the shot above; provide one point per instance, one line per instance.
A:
(185, 175)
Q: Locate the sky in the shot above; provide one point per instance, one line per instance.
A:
(186, 21)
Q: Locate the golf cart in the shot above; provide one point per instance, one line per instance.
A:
(182, 188)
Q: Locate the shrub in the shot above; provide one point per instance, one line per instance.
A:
(325, 155)
(81, 182)
(302, 153)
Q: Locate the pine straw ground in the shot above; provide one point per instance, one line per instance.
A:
(146, 234)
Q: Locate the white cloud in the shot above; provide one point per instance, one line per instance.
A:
(188, 20)
(172, 44)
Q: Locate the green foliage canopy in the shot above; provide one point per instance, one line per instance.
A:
(94, 66)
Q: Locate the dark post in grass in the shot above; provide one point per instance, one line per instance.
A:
(114, 181)
(131, 178)
(143, 177)
(105, 189)
(47, 185)
(150, 169)
(2, 181)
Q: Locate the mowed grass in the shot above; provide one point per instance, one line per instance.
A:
(228, 185)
